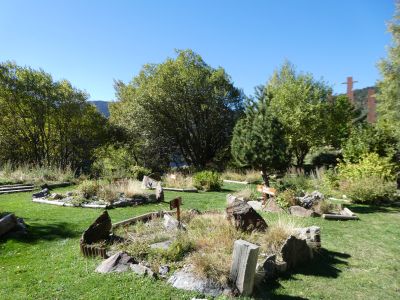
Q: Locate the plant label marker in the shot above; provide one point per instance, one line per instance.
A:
(176, 203)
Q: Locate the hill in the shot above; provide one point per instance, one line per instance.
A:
(102, 106)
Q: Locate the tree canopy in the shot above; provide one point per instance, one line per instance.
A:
(181, 107)
(45, 122)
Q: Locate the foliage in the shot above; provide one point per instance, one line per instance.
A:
(259, 140)
(367, 138)
(298, 183)
(388, 100)
(369, 190)
(286, 198)
(207, 181)
(181, 107)
(369, 165)
(325, 157)
(46, 122)
(302, 105)
(88, 188)
(139, 172)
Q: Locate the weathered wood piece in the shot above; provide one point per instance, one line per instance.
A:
(7, 223)
(243, 267)
(339, 217)
(235, 181)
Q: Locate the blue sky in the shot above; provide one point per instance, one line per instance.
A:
(90, 43)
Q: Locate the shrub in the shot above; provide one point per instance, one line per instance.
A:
(207, 181)
(286, 198)
(370, 165)
(139, 172)
(88, 188)
(295, 182)
(369, 190)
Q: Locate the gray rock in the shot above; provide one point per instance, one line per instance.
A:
(245, 217)
(301, 211)
(295, 252)
(185, 279)
(159, 193)
(43, 193)
(100, 230)
(142, 270)
(170, 223)
(55, 196)
(309, 200)
(312, 235)
(230, 199)
(257, 205)
(69, 194)
(266, 268)
(161, 245)
(149, 183)
(163, 270)
(119, 262)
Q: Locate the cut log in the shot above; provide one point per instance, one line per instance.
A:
(338, 217)
(7, 223)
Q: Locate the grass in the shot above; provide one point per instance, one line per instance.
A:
(359, 259)
(178, 180)
(250, 176)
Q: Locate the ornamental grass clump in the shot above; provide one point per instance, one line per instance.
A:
(178, 180)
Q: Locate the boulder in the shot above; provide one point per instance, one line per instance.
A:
(100, 230)
(7, 223)
(295, 252)
(309, 200)
(149, 183)
(272, 206)
(142, 270)
(257, 205)
(163, 270)
(159, 193)
(312, 235)
(301, 211)
(119, 262)
(266, 268)
(245, 217)
(43, 193)
(55, 196)
(185, 279)
(170, 223)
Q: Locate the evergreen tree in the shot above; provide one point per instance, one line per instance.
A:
(259, 140)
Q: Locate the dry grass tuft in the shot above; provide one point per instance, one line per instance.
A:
(251, 176)
(178, 180)
(248, 193)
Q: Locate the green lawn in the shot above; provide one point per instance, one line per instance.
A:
(360, 259)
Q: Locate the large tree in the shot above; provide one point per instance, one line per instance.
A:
(259, 140)
(181, 106)
(310, 115)
(388, 97)
(45, 122)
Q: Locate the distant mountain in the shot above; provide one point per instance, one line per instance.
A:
(102, 106)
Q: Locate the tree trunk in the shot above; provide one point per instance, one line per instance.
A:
(265, 177)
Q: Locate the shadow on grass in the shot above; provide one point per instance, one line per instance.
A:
(324, 265)
(368, 209)
(46, 232)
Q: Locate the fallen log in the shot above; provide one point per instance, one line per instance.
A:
(338, 217)
(7, 223)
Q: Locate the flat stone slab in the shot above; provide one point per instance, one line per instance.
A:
(161, 245)
(186, 280)
(119, 262)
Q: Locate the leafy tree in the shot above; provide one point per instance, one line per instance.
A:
(388, 97)
(181, 106)
(259, 140)
(367, 138)
(44, 122)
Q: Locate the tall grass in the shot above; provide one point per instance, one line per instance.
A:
(250, 176)
(34, 174)
(178, 180)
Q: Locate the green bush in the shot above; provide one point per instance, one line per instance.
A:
(286, 198)
(88, 188)
(369, 190)
(370, 165)
(139, 172)
(207, 181)
(295, 182)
